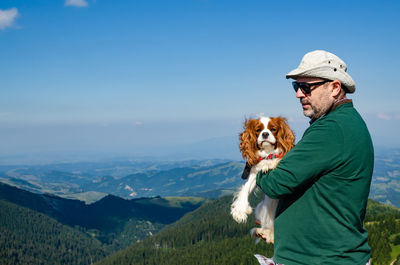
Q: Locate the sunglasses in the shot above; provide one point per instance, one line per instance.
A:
(306, 87)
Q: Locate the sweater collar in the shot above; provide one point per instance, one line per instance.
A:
(336, 104)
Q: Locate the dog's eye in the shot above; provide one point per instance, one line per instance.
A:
(273, 130)
(259, 130)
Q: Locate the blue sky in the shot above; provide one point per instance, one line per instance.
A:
(100, 75)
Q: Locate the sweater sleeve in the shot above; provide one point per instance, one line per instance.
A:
(317, 153)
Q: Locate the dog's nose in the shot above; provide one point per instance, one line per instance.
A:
(265, 135)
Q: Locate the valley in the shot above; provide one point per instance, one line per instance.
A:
(160, 212)
(89, 182)
(113, 221)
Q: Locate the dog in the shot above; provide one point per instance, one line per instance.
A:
(263, 143)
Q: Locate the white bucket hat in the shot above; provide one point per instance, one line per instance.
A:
(324, 65)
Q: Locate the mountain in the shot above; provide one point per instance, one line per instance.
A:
(181, 181)
(29, 237)
(114, 221)
(91, 182)
(385, 186)
(382, 223)
(377, 211)
(207, 235)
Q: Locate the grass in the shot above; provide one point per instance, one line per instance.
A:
(88, 197)
(178, 201)
(395, 252)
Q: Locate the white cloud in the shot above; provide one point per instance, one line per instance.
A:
(77, 3)
(7, 17)
(383, 116)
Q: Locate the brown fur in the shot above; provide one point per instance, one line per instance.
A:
(284, 135)
(248, 140)
(252, 127)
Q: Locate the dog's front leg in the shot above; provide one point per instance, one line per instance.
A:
(240, 207)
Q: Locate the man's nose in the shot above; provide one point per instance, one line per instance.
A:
(300, 94)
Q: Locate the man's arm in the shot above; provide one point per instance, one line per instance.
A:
(317, 153)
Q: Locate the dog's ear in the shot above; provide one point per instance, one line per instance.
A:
(285, 137)
(248, 141)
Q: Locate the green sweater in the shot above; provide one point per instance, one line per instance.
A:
(322, 185)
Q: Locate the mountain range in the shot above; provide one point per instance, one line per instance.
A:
(386, 177)
(45, 229)
(208, 235)
(112, 220)
(92, 181)
(212, 178)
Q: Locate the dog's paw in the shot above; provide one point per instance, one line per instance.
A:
(240, 210)
(266, 234)
(239, 215)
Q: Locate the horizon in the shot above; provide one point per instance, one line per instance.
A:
(139, 78)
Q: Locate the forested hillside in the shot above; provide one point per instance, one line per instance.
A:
(114, 221)
(382, 223)
(28, 237)
(209, 236)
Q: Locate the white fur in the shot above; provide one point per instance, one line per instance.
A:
(265, 210)
(240, 207)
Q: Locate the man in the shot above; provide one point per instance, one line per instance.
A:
(323, 183)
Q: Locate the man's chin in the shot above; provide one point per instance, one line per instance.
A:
(308, 113)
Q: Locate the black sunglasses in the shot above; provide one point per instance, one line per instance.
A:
(306, 87)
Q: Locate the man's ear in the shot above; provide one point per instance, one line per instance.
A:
(336, 88)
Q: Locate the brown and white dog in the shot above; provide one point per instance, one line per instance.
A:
(263, 143)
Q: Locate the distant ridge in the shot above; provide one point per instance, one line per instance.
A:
(91, 182)
(114, 219)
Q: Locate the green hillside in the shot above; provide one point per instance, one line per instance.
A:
(114, 221)
(378, 211)
(28, 237)
(207, 235)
